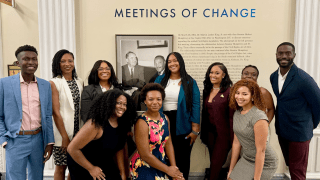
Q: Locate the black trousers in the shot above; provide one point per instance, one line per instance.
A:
(181, 145)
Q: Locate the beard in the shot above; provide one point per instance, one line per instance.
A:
(290, 62)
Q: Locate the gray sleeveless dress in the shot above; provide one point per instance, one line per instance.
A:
(243, 128)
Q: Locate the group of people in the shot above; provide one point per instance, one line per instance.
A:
(86, 128)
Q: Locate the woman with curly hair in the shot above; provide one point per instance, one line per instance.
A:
(66, 91)
(216, 126)
(252, 72)
(96, 152)
(182, 106)
(101, 79)
(153, 139)
(250, 126)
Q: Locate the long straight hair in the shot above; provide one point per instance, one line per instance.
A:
(225, 83)
(94, 78)
(186, 79)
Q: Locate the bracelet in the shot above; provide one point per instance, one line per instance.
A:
(196, 133)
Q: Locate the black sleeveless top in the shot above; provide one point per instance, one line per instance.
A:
(100, 153)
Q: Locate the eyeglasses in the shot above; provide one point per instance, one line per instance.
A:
(106, 69)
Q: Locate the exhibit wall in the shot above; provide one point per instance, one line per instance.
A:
(97, 23)
(19, 27)
(234, 32)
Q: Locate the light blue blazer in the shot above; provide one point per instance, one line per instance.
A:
(11, 108)
(184, 117)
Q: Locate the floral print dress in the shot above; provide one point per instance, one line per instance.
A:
(158, 136)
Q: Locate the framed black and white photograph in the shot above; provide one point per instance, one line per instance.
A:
(140, 59)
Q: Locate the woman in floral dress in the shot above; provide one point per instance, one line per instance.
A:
(153, 140)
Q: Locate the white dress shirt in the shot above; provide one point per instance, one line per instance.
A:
(281, 79)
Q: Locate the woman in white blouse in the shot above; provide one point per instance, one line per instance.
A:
(182, 106)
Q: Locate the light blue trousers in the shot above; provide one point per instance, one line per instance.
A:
(22, 152)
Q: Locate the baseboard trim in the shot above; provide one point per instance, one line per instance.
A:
(201, 174)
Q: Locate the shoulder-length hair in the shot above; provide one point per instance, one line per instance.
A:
(56, 70)
(225, 83)
(186, 79)
(94, 78)
(104, 106)
(255, 94)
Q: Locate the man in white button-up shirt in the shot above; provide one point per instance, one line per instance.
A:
(297, 111)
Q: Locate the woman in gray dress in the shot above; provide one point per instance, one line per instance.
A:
(250, 126)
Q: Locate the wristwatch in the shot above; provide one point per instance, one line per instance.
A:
(196, 133)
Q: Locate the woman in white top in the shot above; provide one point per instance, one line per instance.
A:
(66, 92)
(182, 106)
(102, 78)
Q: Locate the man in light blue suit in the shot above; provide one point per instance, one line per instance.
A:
(26, 119)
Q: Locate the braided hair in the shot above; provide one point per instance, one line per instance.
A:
(56, 70)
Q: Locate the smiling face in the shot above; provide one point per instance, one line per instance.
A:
(67, 64)
(216, 75)
(104, 72)
(121, 106)
(243, 97)
(153, 101)
(285, 56)
(250, 73)
(28, 62)
(173, 64)
(159, 64)
(132, 60)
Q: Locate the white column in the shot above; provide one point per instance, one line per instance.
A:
(56, 31)
(1, 58)
(307, 37)
(307, 43)
(2, 152)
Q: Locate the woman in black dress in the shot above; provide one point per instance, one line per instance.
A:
(96, 152)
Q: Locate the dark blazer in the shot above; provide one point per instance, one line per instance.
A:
(89, 94)
(298, 105)
(11, 108)
(184, 117)
(138, 76)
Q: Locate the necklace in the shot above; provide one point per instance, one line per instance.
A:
(175, 81)
(215, 88)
